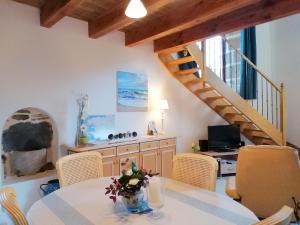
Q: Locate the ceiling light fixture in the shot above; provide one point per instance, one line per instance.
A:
(135, 9)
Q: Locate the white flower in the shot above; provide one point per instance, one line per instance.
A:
(83, 128)
(129, 172)
(133, 181)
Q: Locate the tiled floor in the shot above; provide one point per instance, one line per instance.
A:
(220, 187)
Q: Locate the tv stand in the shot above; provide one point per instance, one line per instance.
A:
(219, 153)
(223, 157)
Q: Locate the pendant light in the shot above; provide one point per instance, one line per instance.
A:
(135, 9)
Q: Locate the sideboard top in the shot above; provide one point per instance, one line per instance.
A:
(109, 144)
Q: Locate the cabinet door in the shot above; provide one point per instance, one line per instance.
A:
(166, 158)
(131, 157)
(110, 167)
(149, 160)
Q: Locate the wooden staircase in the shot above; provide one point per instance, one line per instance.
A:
(222, 99)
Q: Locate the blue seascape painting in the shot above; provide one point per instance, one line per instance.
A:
(132, 92)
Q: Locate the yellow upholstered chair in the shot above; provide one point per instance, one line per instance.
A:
(9, 203)
(266, 178)
(79, 167)
(195, 169)
(282, 217)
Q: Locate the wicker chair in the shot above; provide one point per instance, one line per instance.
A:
(9, 202)
(282, 217)
(79, 167)
(195, 169)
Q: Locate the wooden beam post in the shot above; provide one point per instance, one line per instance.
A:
(54, 10)
(264, 11)
(187, 15)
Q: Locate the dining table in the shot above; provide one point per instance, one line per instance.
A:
(85, 203)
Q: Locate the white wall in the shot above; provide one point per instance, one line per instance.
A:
(47, 68)
(278, 51)
(285, 55)
(263, 47)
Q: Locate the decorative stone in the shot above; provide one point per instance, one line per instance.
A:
(28, 162)
(27, 136)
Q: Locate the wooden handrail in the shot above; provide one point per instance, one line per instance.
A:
(254, 66)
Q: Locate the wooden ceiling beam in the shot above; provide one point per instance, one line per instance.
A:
(264, 11)
(116, 20)
(54, 10)
(188, 15)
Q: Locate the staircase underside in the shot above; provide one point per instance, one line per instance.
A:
(214, 99)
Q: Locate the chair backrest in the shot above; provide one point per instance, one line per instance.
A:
(79, 167)
(282, 217)
(195, 169)
(9, 202)
(267, 178)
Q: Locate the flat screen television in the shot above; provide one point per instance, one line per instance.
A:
(224, 137)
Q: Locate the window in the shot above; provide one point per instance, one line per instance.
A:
(223, 60)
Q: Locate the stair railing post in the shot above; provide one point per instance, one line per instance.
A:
(283, 114)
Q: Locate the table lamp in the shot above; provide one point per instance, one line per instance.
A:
(163, 105)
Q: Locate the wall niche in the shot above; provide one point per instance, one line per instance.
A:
(28, 145)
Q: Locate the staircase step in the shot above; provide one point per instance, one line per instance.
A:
(261, 137)
(221, 107)
(181, 60)
(186, 72)
(210, 99)
(173, 50)
(239, 122)
(191, 82)
(268, 142)
(252, 130)
(203, 90)
(255, 132)
(263, 141)
(232, 114)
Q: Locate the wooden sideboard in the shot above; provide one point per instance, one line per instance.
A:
(151, 153)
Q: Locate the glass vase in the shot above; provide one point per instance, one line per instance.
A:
(134, 201)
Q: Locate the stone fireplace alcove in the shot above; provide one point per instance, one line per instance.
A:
(29, 145)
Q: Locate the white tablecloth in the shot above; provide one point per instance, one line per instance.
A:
(85, 204)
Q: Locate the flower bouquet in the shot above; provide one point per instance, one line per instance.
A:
(129, 186)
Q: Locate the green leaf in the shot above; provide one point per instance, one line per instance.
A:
(124, 180)
(133, 167)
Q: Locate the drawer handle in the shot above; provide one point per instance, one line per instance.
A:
(167, 143)
(149, 146)
(127, 149)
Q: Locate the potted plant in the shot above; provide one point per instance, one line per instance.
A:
(83, 138)
(81, 133)
(129, 185)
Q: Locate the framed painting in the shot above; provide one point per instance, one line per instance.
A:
(132, 92)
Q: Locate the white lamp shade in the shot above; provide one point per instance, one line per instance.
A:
(163, 105)
(135, 9)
